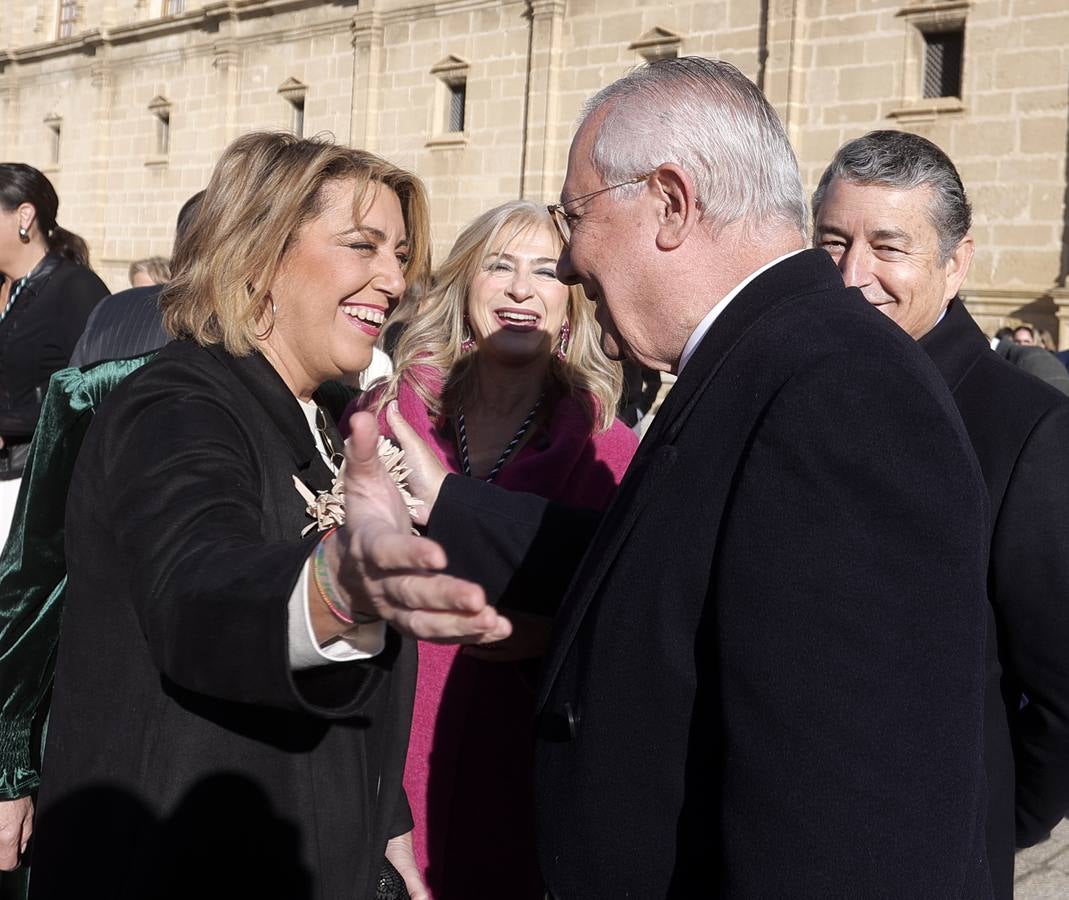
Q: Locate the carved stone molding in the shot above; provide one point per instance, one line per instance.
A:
(451, 69)
(225, 56)
(541, 8)
(367, 28)
(100, 75)
(657, 43)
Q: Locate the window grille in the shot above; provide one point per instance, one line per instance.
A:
(943, 56)
(55, 137)
(297, 124)
(455, 111)
(173, 7)
(163, 133)
(68, 15)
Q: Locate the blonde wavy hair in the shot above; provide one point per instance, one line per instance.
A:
(264, 188)
(436, 328)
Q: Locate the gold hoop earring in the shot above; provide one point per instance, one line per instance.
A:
(271, 325)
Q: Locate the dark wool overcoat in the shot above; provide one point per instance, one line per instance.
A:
(767, 676)
(1019, 427)
(184, 757)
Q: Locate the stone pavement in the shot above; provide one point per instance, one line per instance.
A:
(1042, 872)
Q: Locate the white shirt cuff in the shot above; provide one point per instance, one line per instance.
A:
(360, 642)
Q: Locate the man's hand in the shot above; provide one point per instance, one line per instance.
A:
(16, 826)
(529, 640)
(427, 473)
(399, 852)
(388, 572)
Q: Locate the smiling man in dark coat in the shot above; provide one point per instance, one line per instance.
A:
(892, 212)
(766, 678)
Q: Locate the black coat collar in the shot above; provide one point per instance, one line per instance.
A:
(803, 273)
(955, 344)
(261, 380)
(40, 274)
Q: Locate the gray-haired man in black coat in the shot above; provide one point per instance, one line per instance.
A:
(767, 674)
(892, 212)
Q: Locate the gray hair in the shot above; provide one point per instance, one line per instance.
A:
(708, 118)
(900, 160)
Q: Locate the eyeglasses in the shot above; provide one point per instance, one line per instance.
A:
(336, 457)
(563, 219)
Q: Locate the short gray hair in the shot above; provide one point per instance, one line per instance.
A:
(708, 118)
(900, 160)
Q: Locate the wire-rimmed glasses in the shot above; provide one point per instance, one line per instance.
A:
(562, 219)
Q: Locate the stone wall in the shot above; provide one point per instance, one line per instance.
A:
(378, 74)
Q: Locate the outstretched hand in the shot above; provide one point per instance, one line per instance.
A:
(426, 472)
(392, 574)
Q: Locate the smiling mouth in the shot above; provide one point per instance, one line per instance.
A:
(368, 319)
(369, 314)
(517, 320)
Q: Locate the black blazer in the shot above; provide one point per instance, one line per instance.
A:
(1019, 427)
(767, 676)
(37, 337)
(184, 755)
(125, 324)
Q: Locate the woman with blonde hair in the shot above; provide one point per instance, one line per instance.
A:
(501, 373)
(149, 271)
(230, 712)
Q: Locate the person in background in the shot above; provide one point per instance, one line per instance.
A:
(130, 323)
(33, 568)
(501, 374)
(230, 712)
(892, 212)
(1029, 358)
(1025, 336)
(47, 292)
(150, 271)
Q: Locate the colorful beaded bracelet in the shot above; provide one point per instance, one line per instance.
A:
(321, 577)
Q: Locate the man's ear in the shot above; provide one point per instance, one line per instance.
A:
(676, 203)
(957, 267)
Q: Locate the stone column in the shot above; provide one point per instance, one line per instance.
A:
(541, 175)
(9, 109)
(226, 61)
(367, 73)
(783, 67)
(103, 82)
(1061, 306)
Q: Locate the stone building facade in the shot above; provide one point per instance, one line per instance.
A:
(127, 103)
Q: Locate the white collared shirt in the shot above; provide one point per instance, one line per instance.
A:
(360, 642)
(706, 323)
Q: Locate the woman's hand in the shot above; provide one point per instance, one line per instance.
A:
(399, 852)
(16, 826)
(427, 473)
(388, 572)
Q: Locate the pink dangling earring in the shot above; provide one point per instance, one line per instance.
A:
(467, 343)
(562, 343)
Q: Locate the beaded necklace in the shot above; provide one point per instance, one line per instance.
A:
(462, 440)
(13, 294)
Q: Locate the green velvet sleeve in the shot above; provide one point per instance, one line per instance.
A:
(33, 571)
